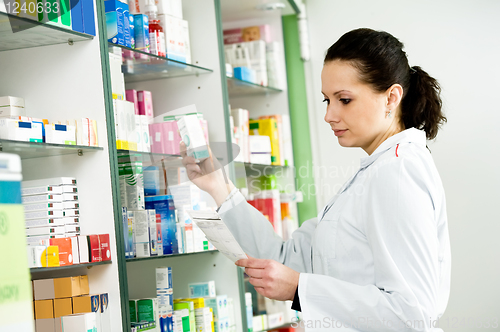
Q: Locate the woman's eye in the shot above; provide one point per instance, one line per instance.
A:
(345, 101)
(326, 100)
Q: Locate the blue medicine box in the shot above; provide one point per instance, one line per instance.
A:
(242, 73)
(164, 206)
(117, 21)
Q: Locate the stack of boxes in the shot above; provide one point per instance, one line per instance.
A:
(74, 14)
(202, 311)
(128, 25)
(64, 304)
(155, 313)
(254, 57)
(266, 141)
(16, 126)
(52, 220)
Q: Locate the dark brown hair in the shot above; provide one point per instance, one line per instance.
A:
(381, 62)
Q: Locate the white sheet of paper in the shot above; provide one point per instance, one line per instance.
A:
(218, 234)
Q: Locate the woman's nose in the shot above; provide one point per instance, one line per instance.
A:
(331, 115)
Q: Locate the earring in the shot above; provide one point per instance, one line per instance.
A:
(388, 114)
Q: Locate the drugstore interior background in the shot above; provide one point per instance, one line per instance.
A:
(458, 43)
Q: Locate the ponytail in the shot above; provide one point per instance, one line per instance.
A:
(421, 106)
(381, 62)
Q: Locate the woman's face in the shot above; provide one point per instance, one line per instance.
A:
(356, 113)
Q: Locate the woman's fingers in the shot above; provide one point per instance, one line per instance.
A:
(193, 168)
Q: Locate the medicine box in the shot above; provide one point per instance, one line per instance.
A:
(164, 206)
(144, 130)
(141, 233)
(50, 182)
(60, 134)
(11, 106)
(43, 256)
(117, 21)
(141, 32)
(99, 247)
(20, 131)
(193, 136)
(80, 322)
(43, 198)
(153, 241)
(202, 289)
(151, 176)
(145, 101)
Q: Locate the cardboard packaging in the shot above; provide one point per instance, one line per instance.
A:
(85, 303)
(164, 206)
(83, 249)
(43, 198)
(117, 22)
(145, 100)
(268, 127)
(44, 309)
(46, 289)
(193, 136)
(45, 325)
(60, 134)
(99, 247)
(11, 106)
(79, 322)
(63, 307)
(141, 233)
(239, 35)
(43, 256)
(202, 289)
(65, 250)
(20, 131)
(144, 130)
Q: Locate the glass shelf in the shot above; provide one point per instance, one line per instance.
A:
(141, 66)
(36, 270)
(169, 159)
(137, 259)
(29, 33)
(260, 166)
(239, 88)
(28, 150)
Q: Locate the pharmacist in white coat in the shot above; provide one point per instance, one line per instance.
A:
(377, 257)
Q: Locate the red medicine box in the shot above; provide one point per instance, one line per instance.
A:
(99, 247)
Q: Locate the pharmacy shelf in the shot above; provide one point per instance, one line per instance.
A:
(138, 259)
(29, 150)
(149, 157)
(37, 270)
(261, 167)
(140, 66)
(17, 33)
(239, 88)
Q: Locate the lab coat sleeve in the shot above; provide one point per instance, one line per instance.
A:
(401, 230)
(256, 235)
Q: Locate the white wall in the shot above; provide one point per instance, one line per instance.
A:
(457, 42)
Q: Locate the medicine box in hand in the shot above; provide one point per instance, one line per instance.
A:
(193, 136)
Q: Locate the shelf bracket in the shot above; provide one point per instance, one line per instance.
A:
(80, 152)
(70, 42)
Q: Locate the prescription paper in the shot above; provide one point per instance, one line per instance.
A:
(218, 234)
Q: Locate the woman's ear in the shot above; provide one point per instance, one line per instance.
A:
(394, 96)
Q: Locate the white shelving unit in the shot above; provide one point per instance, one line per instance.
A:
(60, 78)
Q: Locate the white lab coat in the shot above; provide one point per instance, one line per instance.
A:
(379, 257)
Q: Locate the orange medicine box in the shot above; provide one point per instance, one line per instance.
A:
(44, 309)
(63, 307)
(65, 250)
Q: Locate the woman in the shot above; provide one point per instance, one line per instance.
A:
(377, 257)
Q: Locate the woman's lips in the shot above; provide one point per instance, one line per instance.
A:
(339, 132)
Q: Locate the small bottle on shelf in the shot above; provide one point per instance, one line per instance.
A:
(156, 33)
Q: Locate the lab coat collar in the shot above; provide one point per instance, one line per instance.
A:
(411, 135)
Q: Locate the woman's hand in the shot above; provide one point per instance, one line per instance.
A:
(270, 278)
(207, 175)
